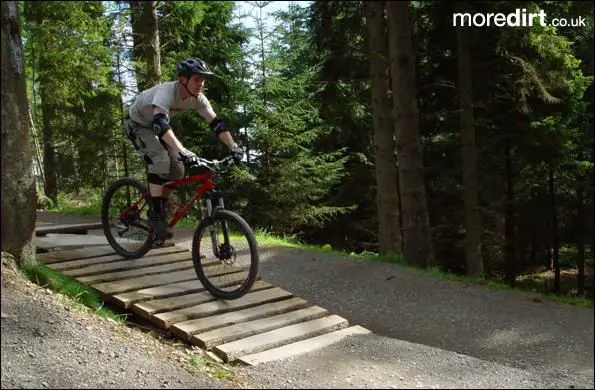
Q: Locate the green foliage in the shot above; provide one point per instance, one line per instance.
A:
(292, 179)
(306, 122)
(75, 102)
(337, 52)
(85, 202)
(82, 294)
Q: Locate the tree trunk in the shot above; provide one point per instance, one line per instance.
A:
(387, 200)
(417, 241)
(18, 185)
(593, 204)
(47, 113)
(472, 215)
(509, 261)
(152, 49)
(555, 239)
(140, 33)
(580, 261)
(49, 152)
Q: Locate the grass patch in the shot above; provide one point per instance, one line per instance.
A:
(196, 364)
(199, 363)
(87, 203)
(84, 210)
(80, 293)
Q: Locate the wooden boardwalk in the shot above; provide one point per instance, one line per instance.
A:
(266, 324)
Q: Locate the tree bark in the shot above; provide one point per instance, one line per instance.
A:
(555, 237)
(465, 91)
(47, 113)
(580, 216)
(145, 33)
(387, 199)
(417, 241)
(49, 152)
(153, 52)
(509, 261)
(18, 185)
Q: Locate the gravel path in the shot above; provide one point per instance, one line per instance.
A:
(49, 342)
(428, 332)
(372, 361)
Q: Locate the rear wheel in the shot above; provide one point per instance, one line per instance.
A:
(124, 218)
(225, 255)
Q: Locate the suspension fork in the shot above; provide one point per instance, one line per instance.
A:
(209, 197)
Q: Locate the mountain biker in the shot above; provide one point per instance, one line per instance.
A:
(147, 126)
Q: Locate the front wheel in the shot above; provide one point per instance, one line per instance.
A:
(225, 255)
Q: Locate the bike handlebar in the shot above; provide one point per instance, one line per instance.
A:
(218, 167)
(215, 163)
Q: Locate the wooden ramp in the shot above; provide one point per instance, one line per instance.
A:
(43, 229)
(266, 324)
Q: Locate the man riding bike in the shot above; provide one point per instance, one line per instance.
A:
(147, 126)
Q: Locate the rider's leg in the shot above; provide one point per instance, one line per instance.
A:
(157, 159)
(176, 171)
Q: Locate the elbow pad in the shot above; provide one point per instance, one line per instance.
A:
(218, 126)
(160, 125)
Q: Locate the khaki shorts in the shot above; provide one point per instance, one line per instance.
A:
(161, 160)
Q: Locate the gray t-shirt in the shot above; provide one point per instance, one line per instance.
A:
(167, 98)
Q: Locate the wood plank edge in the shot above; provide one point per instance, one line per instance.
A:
(302, 347)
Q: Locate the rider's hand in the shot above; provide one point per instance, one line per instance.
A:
(236, 153)
(188, 157)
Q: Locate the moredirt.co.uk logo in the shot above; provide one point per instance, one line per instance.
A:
(519, 18)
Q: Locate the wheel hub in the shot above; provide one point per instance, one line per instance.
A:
(227, 253)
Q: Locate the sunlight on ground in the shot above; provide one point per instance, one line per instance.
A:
(507, 337)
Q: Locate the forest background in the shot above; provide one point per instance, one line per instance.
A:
(480, 163)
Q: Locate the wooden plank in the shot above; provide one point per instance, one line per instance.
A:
(74, 254)
(302, 347)
(186, 329)
(128, 265)
(74, 264)
(60, 242)
(146, 309)
(128, 299)
(77, 228)
(179, 301)
(226, 334)
(278, 337)
(122, 275)
(121, 286)
(166, 320)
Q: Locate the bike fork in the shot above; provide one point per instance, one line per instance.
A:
(212, 228)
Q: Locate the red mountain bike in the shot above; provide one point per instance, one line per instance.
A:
(224, 249)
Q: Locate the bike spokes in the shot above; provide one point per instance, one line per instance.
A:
(228, 256)
(127, 218)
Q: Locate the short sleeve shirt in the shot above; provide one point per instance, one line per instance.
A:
(167, 97)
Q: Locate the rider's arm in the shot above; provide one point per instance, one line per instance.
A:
(217, 125)
(163, 129)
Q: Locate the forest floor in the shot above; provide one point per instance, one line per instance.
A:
(542, 279)
(427, 332)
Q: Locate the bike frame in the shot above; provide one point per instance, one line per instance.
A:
(208, 186)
